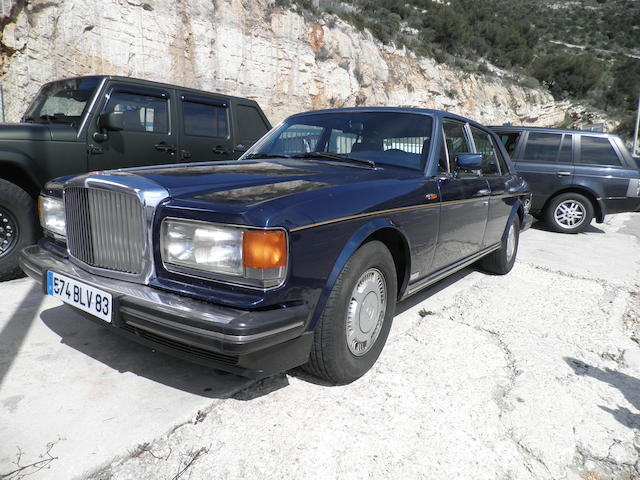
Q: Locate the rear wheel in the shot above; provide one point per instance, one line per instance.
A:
(17, 227)
(502, 260)
(355, 323)
(569, 213)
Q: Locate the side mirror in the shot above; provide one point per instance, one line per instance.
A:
(468, 161)
(111, 122)
(108, 122)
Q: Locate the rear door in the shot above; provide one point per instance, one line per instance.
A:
(464, 197)
(497, 175)
(147, 137)
(204, 131)
(545, 161)
(599, 166)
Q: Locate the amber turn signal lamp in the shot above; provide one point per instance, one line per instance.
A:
(264, 249)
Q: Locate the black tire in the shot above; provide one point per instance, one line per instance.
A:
(331, 357)
(18, 227)
(582, 204)
(501, 261)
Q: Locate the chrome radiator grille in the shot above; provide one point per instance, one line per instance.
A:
(105, 229)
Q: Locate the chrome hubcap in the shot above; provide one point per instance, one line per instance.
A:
(8, 232)
(511, 242)
(569, 214)
(366, 311)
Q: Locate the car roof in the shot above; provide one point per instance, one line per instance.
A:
(413, 110)
(515, 128)
(152, 83)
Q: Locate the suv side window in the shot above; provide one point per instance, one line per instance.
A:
(565, 149)
(484, 146)
(542, 147)
(140, 113)
(205, 120)
(597, 151)
(457, 143)
(510, 141)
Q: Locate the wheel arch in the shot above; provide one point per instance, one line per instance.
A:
(598, 209)
(380, 229)
(17, 169)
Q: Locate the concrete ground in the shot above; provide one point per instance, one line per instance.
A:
(535, 375)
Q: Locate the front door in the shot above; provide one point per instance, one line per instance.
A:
(205, 134)
(545, 162)
(464, 197)
(147, 136)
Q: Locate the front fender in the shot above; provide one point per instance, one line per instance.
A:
(354, 242)
(19, 168)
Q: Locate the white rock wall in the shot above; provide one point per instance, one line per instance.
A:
(246, 48)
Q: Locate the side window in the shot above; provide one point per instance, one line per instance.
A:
(204, 120)
(456, 142)
(510, 141)
(542, 147)
(484, 146)
(140, 113)
(251, 125)
(565, 149)
(299, 139)
(597, 151)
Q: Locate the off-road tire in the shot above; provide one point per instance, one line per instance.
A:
(500, 262)
(21, 208)
(331, 358)
(550, 209)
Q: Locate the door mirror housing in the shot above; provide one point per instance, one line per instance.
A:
(468, 161)
(108, 122)
(111, 122)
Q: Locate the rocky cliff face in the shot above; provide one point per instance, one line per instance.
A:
(242, 47)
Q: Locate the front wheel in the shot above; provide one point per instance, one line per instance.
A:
(17, 227)
(501, 261)
(569, 213)
(355, 323)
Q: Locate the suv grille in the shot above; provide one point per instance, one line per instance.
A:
(105, 229)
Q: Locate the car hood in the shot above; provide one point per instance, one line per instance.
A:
(256, 181)
(35, 132)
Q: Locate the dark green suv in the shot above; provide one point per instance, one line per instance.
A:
(101, 123)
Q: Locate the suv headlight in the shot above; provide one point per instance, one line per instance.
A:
(51, 212)
(237, 255)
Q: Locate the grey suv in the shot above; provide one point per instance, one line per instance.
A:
(574, 175)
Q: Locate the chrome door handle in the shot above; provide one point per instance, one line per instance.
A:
(563, 174)
(484, 192)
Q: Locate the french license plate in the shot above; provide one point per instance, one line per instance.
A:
(92, 300)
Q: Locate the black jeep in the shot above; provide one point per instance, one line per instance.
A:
(102, 122)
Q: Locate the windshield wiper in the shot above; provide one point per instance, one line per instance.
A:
(336, 156)
(266, 155)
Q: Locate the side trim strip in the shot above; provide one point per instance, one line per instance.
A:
(435, 277)
(405, 209)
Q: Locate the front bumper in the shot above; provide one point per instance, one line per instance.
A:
(248, 343)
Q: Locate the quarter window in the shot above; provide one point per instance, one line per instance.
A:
(597, 151)
(542, 147)
(204, 120)
(141, 113)
(252, 125)
(484, 146)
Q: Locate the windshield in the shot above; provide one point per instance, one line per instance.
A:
(62, 102)
(387, 138)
